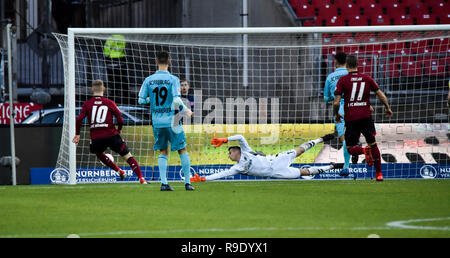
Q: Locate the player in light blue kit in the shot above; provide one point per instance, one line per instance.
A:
(328, 96)
(162, 91)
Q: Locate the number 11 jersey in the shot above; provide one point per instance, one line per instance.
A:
(161, 88)
(355, 88)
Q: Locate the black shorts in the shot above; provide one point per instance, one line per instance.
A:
(354, 129)
(115, 143)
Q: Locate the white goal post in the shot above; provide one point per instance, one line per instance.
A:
(317, 44)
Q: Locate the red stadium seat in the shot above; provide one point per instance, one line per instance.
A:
(327, 11)
(328, 50)
(371, 8)
(412, 68)
(305, 10)
(365, 37)
(365, 65)
(432, 66)
(441, 10)
(426, 19)
(439, 45)
(402, 19)
(411, 2)
(379, 19)
(350, 49)
(349, 9)
(373, 49)
(357, 21)
(334, 21)
(397, 65)
(397, 48)
(393, 9)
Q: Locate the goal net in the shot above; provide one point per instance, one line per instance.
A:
(267, 85)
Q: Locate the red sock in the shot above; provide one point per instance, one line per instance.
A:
(105, 160)
(135, 167)
(355, 150)
(376, 158)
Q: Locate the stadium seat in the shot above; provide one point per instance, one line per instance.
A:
(397, 48)
(365, 37)
(397, 65)
(365, 65)
(392, 9)
(328, 50)
(357, 20)
(349, 9)
(432, 66)
(439, 45)
(370, 8)
(441, 9)
(334, 21)
(412, 68)
(327, 11)
(402, 19)
(305, 11)
(426, 19)
(379, 19)
(351, 49)
(373, 49)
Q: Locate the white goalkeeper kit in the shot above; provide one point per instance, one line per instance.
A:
(257, 164)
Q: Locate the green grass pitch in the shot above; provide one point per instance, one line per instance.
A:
(275, 209)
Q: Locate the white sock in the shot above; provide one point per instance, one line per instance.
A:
(318, 170)
(308, 145)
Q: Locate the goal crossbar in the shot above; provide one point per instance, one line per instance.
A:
(259, 30)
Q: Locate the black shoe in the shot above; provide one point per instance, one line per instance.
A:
(166, 187)
(189, 187)
(328, 137)
(355, 159)
(337, 165)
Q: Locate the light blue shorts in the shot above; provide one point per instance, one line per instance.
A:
(165, 135)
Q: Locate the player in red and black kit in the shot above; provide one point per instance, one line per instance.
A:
(356, 88)
(100, 112)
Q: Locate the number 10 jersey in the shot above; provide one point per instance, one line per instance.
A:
(99, 112)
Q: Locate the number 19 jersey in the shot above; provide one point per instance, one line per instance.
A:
(161, 87)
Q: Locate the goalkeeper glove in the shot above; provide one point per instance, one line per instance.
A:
(197, 178)
(218, 141)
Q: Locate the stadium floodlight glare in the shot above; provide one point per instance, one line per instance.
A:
(268, 88)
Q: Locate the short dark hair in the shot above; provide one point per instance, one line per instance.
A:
(340, 58)
(352, 61)
(163, 57)
(234, 148)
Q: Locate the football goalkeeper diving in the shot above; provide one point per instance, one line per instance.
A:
(257, 164)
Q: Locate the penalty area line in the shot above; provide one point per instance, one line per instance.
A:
(404, 224)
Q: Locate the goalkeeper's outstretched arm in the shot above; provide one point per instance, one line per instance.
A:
(226, 173)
